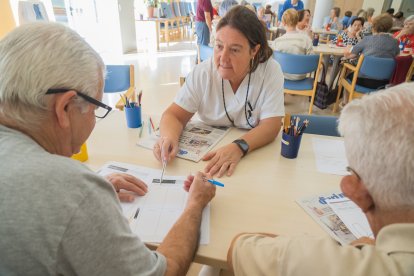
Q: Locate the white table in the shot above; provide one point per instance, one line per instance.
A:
(260, 196)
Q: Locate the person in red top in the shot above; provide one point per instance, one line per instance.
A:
(407, 33)
(203, 21)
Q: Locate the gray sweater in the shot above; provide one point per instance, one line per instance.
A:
(57, 217)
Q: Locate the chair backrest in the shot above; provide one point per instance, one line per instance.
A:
(166, 10)
(176, 9)
(183, 11)
(205, 52)
(118, 78)
(296, 64)
(320, 125)
(377, 68)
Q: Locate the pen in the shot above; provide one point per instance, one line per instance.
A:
(164, 164)
(152, 124)
(214, 182)
(142, 127)
(136, 213)
(139, 98)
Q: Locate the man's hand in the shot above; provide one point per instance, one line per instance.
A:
(127, 182)
(200, 192)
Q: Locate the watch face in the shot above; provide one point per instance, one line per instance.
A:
(243, 145)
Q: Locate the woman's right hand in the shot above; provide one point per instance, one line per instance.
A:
(165, 149)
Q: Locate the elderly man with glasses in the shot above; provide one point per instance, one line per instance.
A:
(378, 131)
(57, 217)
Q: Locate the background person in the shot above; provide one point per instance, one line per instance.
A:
(240, 86)
(304, 26)
(290, 4)
(380, 183)
(293, 42)
(379, 44)
(57, 216)
(353, 34)
(407, 33)
(204, 15)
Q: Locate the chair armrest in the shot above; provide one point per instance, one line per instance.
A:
(350, 66)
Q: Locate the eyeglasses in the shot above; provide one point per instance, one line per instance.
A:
(100, 111)
(352, 171)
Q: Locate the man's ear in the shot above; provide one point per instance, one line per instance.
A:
(61, 108)
(355, 190)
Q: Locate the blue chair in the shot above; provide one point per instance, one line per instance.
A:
(300, 64)
(320, 125)
(120, 78)
(204, 52)
(369, 67)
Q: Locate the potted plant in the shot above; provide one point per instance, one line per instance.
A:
(151, 4)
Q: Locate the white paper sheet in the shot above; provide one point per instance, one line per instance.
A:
(352, 216)
(330, 156)
(152, 216)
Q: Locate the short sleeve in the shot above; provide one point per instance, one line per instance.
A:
(98, 241)
(190, 95)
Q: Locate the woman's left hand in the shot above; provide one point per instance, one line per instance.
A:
(223, 160)
(129, 183)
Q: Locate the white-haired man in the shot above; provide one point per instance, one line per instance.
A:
(57, 216)
(378, 132)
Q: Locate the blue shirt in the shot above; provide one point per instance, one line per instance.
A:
(287, 5)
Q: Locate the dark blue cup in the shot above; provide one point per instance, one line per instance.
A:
(290, 145)
(315, 40)
(133, 116)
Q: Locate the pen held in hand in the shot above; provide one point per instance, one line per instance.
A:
(214, 182)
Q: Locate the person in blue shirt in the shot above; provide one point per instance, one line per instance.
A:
(346, 20)
(296, 4)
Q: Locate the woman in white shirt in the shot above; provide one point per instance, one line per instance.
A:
(241, 86)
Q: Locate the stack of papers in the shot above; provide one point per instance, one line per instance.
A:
(152, 216)
(330, 156)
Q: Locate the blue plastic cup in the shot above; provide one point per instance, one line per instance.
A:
(133, 116)
(290, 145)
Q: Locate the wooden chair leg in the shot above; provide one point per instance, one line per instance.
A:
(335, 108)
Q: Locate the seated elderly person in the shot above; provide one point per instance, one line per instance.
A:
(293, 42)
(57, 216)
(379, 44)
(406, 35)
(353, 34)
(303, 25)
(380, 183)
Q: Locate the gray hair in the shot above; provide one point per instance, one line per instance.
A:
(410, 18)
(379, 142)
(39, 56)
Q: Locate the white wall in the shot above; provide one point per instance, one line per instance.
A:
(127, 25)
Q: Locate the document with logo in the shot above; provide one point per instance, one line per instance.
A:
(152, 216)
(196, 140)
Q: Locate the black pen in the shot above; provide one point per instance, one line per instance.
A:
(136, 213)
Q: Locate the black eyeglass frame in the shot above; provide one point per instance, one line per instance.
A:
(85, 97)
(352, 171)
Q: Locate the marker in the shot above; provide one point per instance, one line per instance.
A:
(214, 182)
(136, 213)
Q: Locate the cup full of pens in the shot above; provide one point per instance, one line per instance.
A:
(292, 136)
(132, 112)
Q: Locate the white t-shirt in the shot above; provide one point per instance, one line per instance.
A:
(202, 93)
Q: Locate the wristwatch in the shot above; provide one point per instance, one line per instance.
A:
(244, 147)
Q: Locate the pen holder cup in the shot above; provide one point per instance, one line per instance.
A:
(133, 116)
(290, 145)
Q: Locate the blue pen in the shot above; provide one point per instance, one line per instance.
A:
(214, 182)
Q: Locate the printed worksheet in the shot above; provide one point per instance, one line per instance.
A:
(330, 156)
(152, 216)
(352, 216)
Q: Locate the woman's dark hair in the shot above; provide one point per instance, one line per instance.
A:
(390, 11)
(337, 11)
(348, 13)
(301, 14)
(360, 19)
(247, 23)
(399, 15)
(382, 23)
